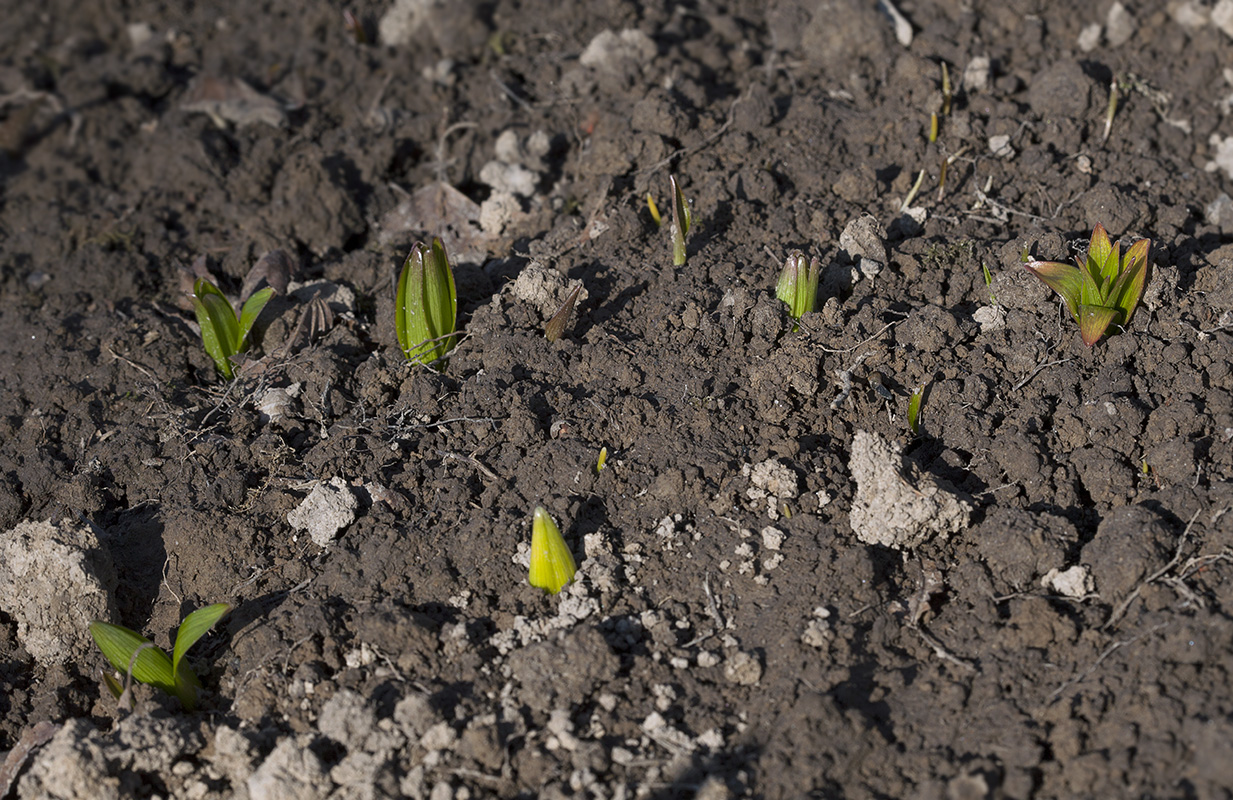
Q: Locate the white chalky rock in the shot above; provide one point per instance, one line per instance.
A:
(894, 505)
(328, 509)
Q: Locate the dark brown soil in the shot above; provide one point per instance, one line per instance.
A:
(730, 635)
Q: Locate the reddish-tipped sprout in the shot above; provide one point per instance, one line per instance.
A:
(1104, 289)
(555, 328)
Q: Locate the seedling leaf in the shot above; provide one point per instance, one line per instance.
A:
(1128, 289)
(1093, 321)
(914, 401)
(248, 315)
(1065, 279)
(552, 564)
(654, 209)
(1100, 246)
(194, 626)
(118, 644)
(682, 218)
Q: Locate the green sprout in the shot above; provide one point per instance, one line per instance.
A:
(946, 95)
(222, 333)
(602, 461)
(993, 301)
(136, 656)
(552, 565)
(1104, 289)
(426, 306)
(654, 209)
(798, 285)
(914, 401)
(681, 220)
(1110, 110)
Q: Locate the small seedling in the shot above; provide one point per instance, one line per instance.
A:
(555, 327)
(602, 461)
(135, 655)
(1104, 289)
(552, 565)
(681, 220)
(1110, 110)
(914, 401)
(654, 209)
(946, 95)
(933, 127)
(798, 285)
(907, 201)
(426, 305)
(222, 333)
(993, 301)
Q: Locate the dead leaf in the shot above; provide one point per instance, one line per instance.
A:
(275, 268)
(439, 209)
(233, 100)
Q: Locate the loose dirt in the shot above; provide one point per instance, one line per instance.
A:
(1056, 626)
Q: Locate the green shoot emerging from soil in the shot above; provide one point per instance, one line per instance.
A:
(552, 565)
(128, 651)
(798, 284)
(914, 401)
(993, 301)
(602, 461)
(426, 306)
(1104, 289)
(223, 334)
(681, 220)
(654, 209)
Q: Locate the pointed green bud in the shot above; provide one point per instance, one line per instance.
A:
(682, 219)
(798, 284)
(552, 565)
(426, 306)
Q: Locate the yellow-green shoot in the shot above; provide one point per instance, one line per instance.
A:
(552, 565)
(1104, 289)
(914, 401)
(798, 284)
(654, 209)
(682, 218)
(223, 333)
(135, 655)
(426, 305)
(602, 461)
